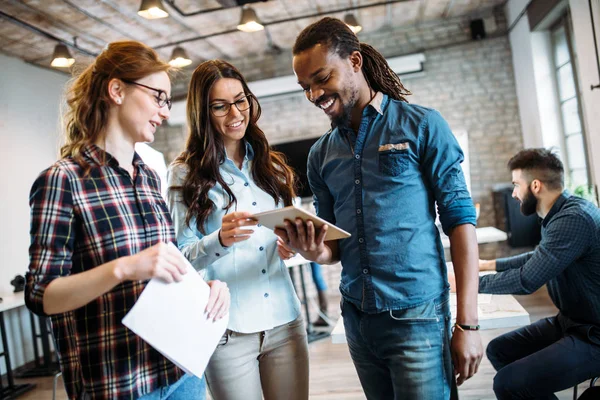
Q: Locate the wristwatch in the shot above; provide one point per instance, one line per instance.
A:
(464, 327)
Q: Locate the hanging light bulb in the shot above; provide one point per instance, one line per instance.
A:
(352, 23)
(179, 58)
(249, 21)
(152, 9)
(61, 58)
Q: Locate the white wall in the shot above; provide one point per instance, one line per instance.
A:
(588, 75)
(547, 91)
(524, 70)
(534, 78)
(29, 126)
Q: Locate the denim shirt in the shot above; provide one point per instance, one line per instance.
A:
(262, 293)
(382, 185)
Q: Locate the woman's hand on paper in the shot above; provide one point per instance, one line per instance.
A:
(218, 301)
(159, 261)
(285, 252)
(232, 228)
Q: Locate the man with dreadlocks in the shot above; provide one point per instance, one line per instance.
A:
(378, 174)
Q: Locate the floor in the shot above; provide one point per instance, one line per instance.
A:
(332, 374)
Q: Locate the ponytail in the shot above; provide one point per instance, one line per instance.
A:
(380, 76)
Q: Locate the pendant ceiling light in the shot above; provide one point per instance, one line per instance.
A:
(179, 58)
(152, 9)
(249, 21)
(61, 58)
(352, 23)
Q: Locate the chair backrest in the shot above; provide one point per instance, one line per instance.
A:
(591, 393)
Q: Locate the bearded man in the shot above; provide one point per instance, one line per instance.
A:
(554, 353)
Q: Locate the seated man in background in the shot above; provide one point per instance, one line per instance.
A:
(554, 353)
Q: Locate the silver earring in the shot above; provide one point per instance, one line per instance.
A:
(118, 101)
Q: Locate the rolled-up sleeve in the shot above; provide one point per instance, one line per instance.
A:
(201, 250)
(442, 156)
(52, 233)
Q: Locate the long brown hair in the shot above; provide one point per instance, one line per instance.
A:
(205, 152)
(88, 100)
(338, 37)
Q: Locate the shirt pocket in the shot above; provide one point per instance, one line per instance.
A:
(421, 314)
(393, 162)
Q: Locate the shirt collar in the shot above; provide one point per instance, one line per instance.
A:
(249, 151)
(377, 102)
(249, 156)
(556, 207)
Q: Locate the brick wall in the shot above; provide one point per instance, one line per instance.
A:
(470, 82)
(170, 140)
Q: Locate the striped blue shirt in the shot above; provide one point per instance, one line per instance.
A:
(567, 260)
(262, 293)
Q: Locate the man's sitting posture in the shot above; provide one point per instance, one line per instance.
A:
(554, 353)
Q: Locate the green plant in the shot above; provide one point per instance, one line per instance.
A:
(585, 192)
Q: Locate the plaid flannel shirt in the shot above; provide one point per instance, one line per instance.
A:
(79, 222)
(567, 260)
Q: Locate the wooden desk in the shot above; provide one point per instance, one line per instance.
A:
(295, 261)
(495, 311)
(488, 234)
(9, 302)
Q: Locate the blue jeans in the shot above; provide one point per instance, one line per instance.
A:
(317, 276)
(188, 387)
(402, 354)
(540, 359)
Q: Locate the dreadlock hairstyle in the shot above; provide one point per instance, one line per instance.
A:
(338, 37)
(204, 151)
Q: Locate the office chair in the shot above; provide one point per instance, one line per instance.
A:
(591, 393)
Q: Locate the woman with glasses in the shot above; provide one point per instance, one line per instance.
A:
(99, 232)
(227, 173)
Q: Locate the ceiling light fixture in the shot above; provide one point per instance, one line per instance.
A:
(249, 21)
(352, 23)
(152, 9)
(61, 58)
(179, 58)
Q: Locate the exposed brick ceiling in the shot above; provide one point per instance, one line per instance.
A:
(95, 23)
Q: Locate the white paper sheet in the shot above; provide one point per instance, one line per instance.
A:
(170, 317)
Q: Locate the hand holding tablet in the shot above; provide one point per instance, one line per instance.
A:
(276, 219)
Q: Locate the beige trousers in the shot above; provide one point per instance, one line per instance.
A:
(272, 363)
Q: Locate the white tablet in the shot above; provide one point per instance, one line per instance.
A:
(275, 219)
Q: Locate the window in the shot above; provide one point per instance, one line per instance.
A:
(574, 152)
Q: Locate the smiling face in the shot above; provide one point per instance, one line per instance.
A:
(231, 126)
(139, 114)
(329, 82)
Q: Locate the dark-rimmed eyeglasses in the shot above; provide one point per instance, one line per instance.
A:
(161, 98)
(221, 108)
